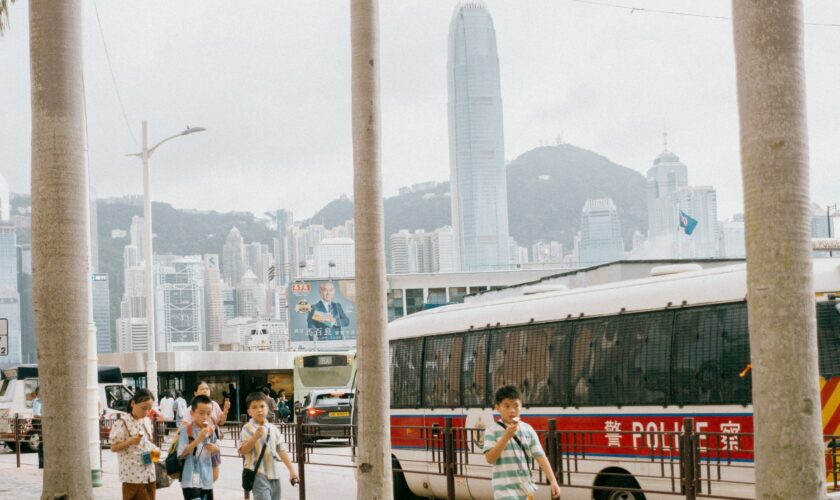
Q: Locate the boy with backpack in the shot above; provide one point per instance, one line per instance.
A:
(510, 446)
(196, 448)
(263, 449)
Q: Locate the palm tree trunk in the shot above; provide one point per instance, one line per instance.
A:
(374, 451)
(774, 156)
(60, 251)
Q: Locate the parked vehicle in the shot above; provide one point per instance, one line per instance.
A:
(327, 413)
(17, 389)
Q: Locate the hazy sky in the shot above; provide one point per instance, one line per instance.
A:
(270, 80)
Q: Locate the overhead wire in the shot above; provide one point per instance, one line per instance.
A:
(113, 77)
(634, 9)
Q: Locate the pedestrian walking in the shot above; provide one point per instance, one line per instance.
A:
(510, 446)
(196, 447)
(131, 440)
(218, 418)
(264, 450)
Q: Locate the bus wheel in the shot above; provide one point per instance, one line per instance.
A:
(620, 482)
(401, 490)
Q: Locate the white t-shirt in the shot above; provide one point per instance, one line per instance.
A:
(167, 408)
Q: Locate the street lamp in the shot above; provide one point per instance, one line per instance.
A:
(145, 154)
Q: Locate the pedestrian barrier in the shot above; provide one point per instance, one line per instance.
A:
(683, 464)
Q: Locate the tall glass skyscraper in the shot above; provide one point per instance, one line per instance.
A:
(476, 140)
(600, 233)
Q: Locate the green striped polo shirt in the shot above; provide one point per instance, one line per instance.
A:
(511, 475)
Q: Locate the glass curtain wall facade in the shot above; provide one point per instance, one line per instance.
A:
(476, 141)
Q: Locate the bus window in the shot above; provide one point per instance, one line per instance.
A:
(711, 349)
(520, 358)
(643, 371)
(558, 374)
(595, 348)
(441, 374)
(474, 370)
(405, 373)
(828, 328)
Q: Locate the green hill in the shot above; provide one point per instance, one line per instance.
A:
(547, 188)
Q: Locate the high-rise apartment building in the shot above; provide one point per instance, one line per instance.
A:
(233, 258)
(478, 176)
(600, 233)
(101, 303)
(445, 250)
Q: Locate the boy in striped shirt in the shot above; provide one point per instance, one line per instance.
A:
(509, 446)
(258, 432)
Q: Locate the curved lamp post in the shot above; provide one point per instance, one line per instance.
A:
(145, 154)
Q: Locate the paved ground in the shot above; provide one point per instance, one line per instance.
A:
(323, 482)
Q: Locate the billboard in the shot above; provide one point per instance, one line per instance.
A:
(322, 310)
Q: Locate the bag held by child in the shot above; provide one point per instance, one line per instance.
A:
(248, 475)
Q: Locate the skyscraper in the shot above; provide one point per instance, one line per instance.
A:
(600, 233)
(102, 313)
(476, 140)
(233, 258)
(700, 202)
(213, 300)
(180, 305)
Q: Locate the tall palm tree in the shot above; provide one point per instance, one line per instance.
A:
(60, 249)
(374, 451)
(774, 158)
(4, 14)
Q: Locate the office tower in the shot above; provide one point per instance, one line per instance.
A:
(258, 260)
(5, 194)
(94, 234)
(228, 302)
(132, 335)
(27, 313)
(233, 258)
(664, 179)
(102, 313)
(732, 238)
(339, 251)
(135, 232)
(476, 140)
(9, 297)
(444, 250)
(399, 252)
(251, 297)
(700, 203)
(285, 220)
(600, 233)
(551, 252)
(180, 304)
(213, 300)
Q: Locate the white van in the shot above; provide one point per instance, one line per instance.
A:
(17, 389)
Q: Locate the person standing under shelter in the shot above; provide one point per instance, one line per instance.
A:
(167, 408)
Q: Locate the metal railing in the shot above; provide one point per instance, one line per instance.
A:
(684, 463)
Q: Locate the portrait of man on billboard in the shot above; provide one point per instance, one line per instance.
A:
(327, 317)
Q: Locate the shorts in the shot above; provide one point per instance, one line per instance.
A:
(197, 494)
(138, 491)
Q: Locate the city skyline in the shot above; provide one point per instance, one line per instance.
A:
(561, 75)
